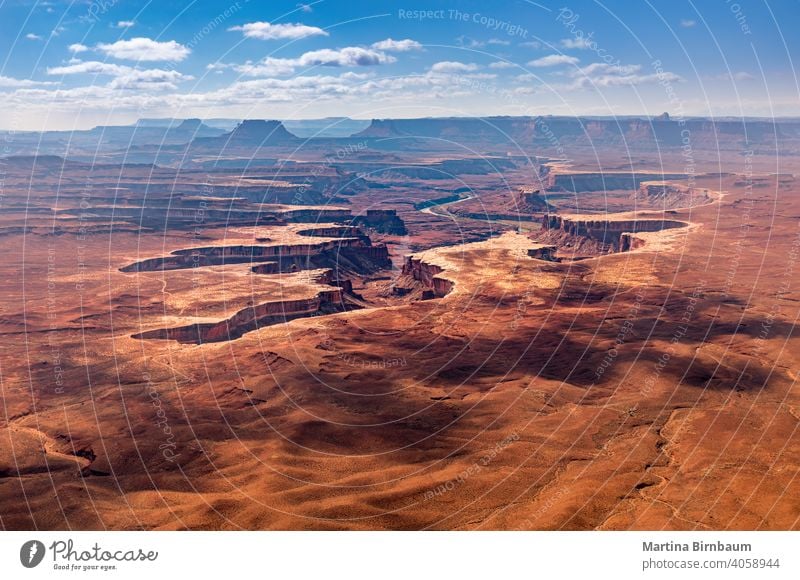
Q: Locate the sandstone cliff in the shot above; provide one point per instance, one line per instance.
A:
(668, 195)
(592, 235)
(426, 273)
(251, 318)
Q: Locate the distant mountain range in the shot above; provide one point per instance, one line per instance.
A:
(175, 141)
(559, 132)
(305, 128)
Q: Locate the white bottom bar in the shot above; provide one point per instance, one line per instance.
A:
(400, 555)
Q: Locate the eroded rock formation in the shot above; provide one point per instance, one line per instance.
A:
(426, 273)
(596, 235)
(543, 252)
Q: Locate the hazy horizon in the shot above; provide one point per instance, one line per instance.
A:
(176, 120)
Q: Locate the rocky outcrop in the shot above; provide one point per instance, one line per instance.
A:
(630, 241)
(384, 221)
(427, 274)
(530, 200)
(546, 253)
(329, 277)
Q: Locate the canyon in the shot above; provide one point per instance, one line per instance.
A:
(330, 333)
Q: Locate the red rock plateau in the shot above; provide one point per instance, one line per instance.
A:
(405, 339)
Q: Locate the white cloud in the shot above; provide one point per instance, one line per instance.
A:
(360, 86)
(502, 64)
(688, 23)
(600, 74)
(397, 45)
(469, 42)
(125, 23)
(77, 47)
(453, 67)
(605, 68)
(124, 76)
(636, 79)
(498, 42)
(269, 67)
(305, 7)
(8, 82)
(32, 36)
(267, 31)
(578, 42)
(89, 67)
(553, 60)
(148, 79)
(531, 44)
(348, 56)
(145, 49)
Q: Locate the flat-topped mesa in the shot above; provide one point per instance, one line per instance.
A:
(346, 254)
(259, 131)
(312, 215)
(602, 181)
(612, 234)
(384, 221)
(642, 132)
(671, 195)
(190, 125)
(661, 132)
(454, 130)
(333, 232)
(186, 217)
(247, 134)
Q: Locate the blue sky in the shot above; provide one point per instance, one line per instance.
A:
(78, 64)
